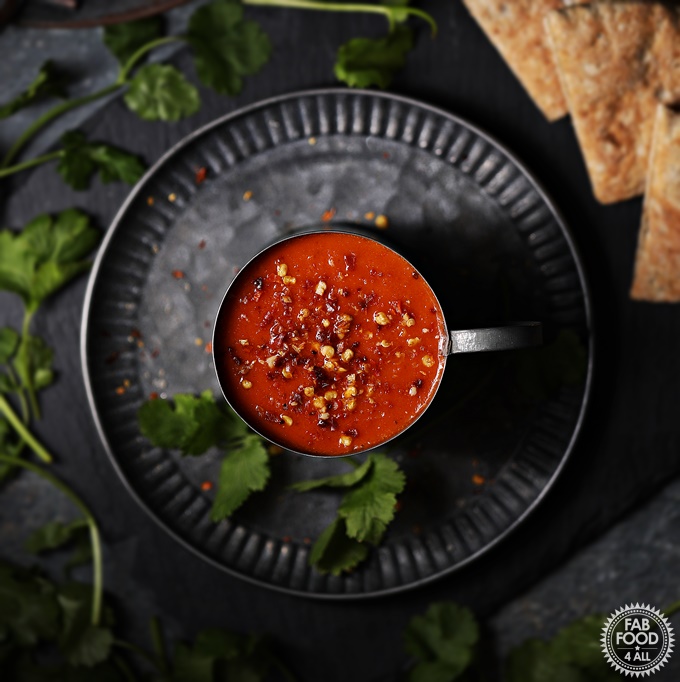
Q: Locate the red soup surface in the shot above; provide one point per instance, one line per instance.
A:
(329, 343)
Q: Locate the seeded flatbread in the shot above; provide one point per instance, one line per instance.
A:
(657, 265)
(515, 27)
(614, 60)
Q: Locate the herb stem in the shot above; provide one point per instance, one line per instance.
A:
(388, 12)
(132, 62)
(95, 540)
(124, 669)
(159, 645)
(21, 394)
(28, 378)
(23, 432)
(49, 116)
(37, 161)
(129, 646)
(673, 608)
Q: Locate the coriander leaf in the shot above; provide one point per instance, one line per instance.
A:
(125, 39)
(82, 552)
(363, 62)
(533, 661)
(46, 255)
(335, 552)
(579, 643)
(226, 47)
(82, 159)
(28, 606)
(9, 341)
(433, 671)
(54, 535)
(232, 657)
(46, 84)
(192, 666)
(339, 481)
(81, 642)
(573, 655)
(542, 371)
(243, 471)
(369, 507)
(161, 92)
(443, 639)
(192, 425)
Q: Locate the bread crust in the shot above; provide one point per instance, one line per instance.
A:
(515, 27)
(657, 263)
(614, 61)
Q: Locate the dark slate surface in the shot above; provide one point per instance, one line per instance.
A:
(628, 448)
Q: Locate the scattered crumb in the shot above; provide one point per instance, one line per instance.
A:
(172, 197)
(381, 222)
(247, 195)
(328, 215)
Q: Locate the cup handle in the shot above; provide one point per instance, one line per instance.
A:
(510, 336)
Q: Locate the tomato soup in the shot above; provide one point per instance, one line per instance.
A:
(329, 343)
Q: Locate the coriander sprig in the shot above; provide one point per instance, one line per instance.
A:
(367, 508)
(192, 425)
(226, 48)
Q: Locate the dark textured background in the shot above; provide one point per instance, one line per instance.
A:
(629, 447)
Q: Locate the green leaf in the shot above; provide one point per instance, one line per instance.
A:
(125, 39)
(82, 159)
(54, 535)
(363, 62)
(9, 341)
(533, 661)
(339, 481)
(444, 638)
(226, 47)
(81, 643)
(222, 655)
(46, 84)
(573, 655)
(28, 606)
(335, 552)
(369, 507)
(579, 643)
(244, 470)
(192, 425)
(46, 255)
(543, 371)
(433, 671)
(159, 92)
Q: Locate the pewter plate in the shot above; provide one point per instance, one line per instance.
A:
(460, 206)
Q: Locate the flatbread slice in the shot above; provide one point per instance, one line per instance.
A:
(614, 61)
(657, 264)
(515, 27)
